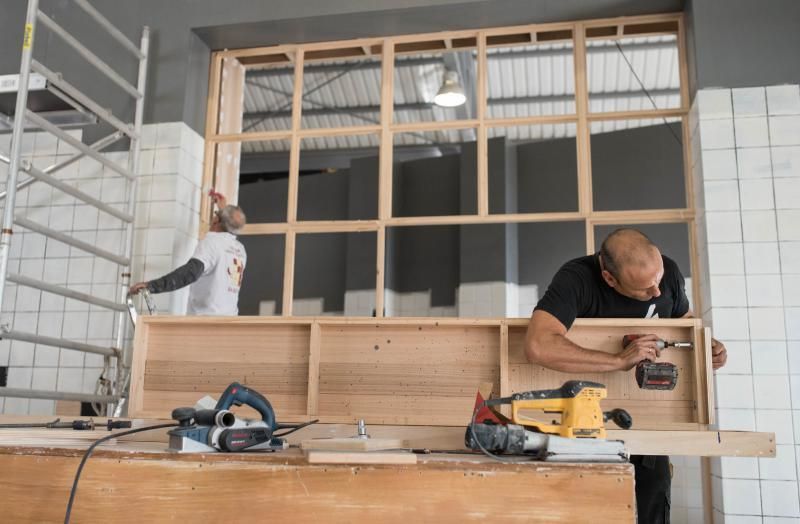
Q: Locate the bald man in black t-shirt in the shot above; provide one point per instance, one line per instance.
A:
(628, 278)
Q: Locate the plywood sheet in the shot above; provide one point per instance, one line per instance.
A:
(405, 374)
(185, 362)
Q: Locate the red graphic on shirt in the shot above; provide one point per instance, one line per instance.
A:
(236, 272)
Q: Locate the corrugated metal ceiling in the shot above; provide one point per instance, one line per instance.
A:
(522, 81)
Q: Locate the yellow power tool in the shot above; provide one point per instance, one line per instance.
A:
(578, 403)
(579, 435)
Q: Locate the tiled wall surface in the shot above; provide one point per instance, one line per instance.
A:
(168, 200)
(746, 145)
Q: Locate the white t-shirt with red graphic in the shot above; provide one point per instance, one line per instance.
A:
(216, 292)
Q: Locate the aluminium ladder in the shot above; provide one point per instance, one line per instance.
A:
(112, 384)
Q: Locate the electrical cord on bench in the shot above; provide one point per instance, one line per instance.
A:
(89, 453)
(485, 451)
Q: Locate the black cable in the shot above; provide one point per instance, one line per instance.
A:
(486, 451)
(89, 453)
(641, 84)
(294, 428)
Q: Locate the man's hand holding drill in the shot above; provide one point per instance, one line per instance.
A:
(645, 347)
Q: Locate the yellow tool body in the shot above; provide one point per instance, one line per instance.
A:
(578, 403)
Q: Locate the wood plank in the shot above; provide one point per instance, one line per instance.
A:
(350, 457)
(380, 274)
(708, 375)
(288, 273)
(583, 137)
(353, 444)
(697, 443)
(230, 116)
(683, 442)
(638, 114)
(482, 146)
(313, 370)
(505, 384)
(217, 488)
(209, 150)
(51, 437)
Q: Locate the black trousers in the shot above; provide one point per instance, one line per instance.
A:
(653, 483)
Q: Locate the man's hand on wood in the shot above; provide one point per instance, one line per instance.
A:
(719, 355)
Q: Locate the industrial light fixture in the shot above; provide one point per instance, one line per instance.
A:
(451, 94)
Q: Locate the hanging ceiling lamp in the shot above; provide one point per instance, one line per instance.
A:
(451, 94)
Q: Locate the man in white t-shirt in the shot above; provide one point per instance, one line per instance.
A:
(215, 270)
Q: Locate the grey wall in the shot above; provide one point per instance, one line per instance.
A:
(426, 258)
(738, 43)
(263, 275)
(548, 180)
(639, 168)
(184, 32)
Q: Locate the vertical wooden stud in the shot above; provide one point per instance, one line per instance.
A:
(380, 274)
(483, 146)
(315, 342)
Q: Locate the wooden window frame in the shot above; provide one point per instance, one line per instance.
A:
(387, 48)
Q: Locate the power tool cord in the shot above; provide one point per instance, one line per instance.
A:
(486, 451)
(294, 428)
(89, 453)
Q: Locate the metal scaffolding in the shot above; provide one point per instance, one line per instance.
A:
(112, 385)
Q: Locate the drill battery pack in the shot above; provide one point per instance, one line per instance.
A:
(656, 375)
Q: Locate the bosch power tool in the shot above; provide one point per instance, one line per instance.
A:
(219, 429)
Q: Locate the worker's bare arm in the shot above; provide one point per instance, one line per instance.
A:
(546, 344)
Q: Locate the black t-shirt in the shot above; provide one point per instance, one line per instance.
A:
(578, 290)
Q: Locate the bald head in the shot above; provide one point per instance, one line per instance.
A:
(232, 219)
(632, 264)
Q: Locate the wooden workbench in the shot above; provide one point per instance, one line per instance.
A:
(140, 482)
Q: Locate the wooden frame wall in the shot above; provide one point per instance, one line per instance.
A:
(387, 48)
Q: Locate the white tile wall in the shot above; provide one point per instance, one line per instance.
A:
(780, 498)
(171, 158)
(784, 100)
(751, 132)
(762, 258)
(717, 134)
(714, 103)
(764, 290)
(721, 164)
(741, 497)
(784, 130)
(759, 226)
(757, 194)
(785, 161)
(757, 238)
(749, 101)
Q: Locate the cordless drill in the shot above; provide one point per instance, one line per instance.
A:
(656, 375)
